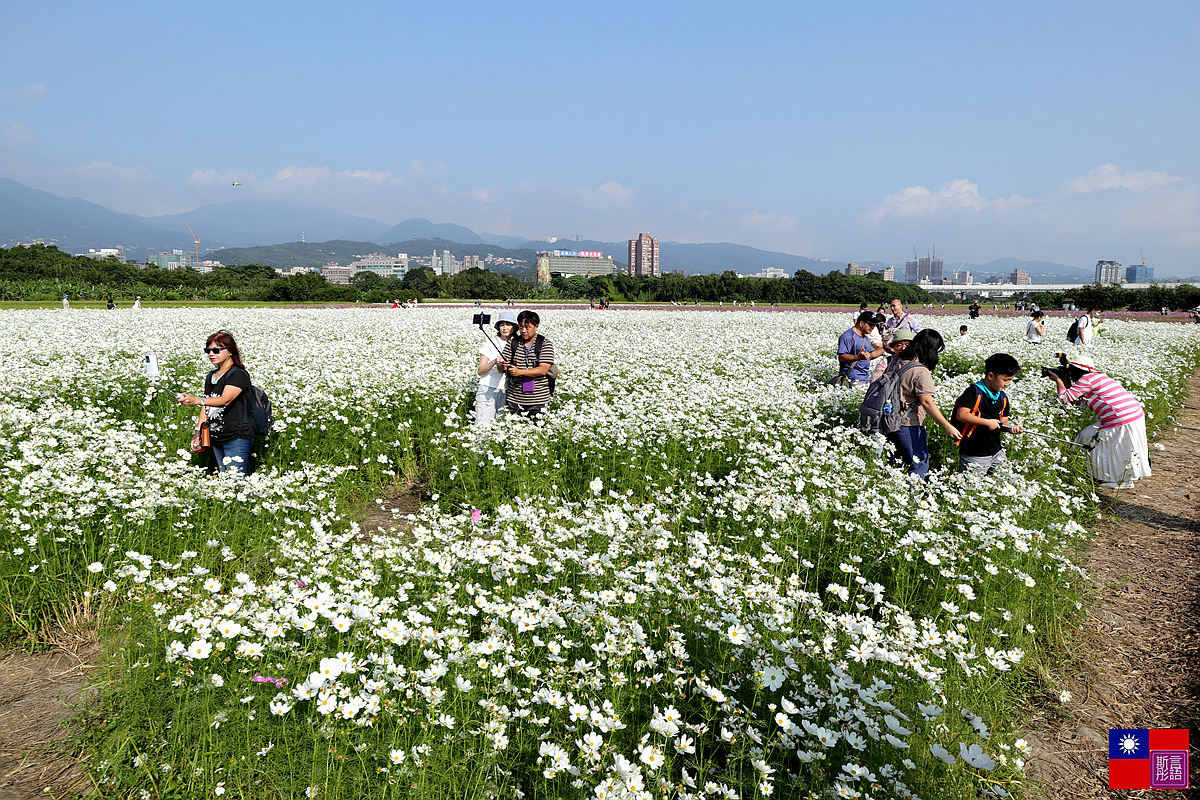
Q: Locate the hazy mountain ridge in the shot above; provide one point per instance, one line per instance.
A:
(248, 223)
(256, 231)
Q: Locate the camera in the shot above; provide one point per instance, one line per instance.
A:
(481, 319)
(1063, 370)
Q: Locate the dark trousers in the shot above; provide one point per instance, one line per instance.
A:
(912, 449)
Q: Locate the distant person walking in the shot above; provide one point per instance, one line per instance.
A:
(137, 303)
(1086, 327)
(66, 303)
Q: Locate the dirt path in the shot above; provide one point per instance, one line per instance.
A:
(1139, 651)
(39, 692)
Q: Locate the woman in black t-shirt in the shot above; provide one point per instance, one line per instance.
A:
(224, 404)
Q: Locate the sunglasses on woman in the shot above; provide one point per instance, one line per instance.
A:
(213, 350)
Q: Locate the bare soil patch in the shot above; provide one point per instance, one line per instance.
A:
(386, 515)
(39, 694)
(1137, 663)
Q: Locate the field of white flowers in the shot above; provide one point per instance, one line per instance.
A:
(695, 580)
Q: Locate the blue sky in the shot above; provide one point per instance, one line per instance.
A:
(1051, 130)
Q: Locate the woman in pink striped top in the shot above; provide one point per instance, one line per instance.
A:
(1121, 455)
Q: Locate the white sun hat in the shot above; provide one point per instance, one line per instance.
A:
(1084, 362)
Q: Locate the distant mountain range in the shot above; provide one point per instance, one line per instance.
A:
(251, 231)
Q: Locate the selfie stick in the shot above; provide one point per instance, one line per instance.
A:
(1089, 447)
(489, 338)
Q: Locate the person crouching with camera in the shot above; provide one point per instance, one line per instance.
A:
(529, 362)
(1121, 454)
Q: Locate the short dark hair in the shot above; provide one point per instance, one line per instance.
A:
(962, 328)
(1038, 313)
(531, 316)
(1001, 364)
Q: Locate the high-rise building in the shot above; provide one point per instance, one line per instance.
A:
(888, 273)
(1019, 277)
(924, 270)
(643, 256)
(854, 269)
(1108, 272)
(963, 278)
(443, 264)
(1139, 273)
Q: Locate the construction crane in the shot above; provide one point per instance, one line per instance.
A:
(1143, 252)
(196, 238)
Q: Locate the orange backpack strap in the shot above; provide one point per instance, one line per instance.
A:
(974, 410)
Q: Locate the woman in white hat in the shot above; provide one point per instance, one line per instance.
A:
(490, 396)
(1121, 454)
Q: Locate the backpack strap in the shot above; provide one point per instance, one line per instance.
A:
(974, 410)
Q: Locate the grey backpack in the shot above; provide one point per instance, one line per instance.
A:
(881, 410)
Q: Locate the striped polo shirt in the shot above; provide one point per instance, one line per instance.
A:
(1110, 401)
(518, 355)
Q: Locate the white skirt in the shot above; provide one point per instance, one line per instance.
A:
(1122, 454)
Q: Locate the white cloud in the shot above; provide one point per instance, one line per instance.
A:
(311, 176)
(100, 171)
(18, 135)
(205, 178)
(769, 221)
(1109, 176)
(607, 195)
(29, 93)
(956, 195)
(32, 92)
(1077, 224)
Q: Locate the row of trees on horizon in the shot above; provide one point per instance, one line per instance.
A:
(40, 273)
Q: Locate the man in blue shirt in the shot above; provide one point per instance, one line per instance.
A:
(855, 351)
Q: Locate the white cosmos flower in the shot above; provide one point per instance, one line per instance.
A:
(773, 678)
(975, 756)
(942, 753)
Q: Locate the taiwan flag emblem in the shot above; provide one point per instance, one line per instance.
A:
(1147, 758)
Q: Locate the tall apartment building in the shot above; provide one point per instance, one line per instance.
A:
(854, 269)
(888, 273)
(443, 264)
(923, 270)
(643, 256)
(1108, 272)
(936, 268)
(1020, 277)
(963, 278)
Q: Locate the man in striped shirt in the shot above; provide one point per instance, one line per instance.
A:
(1121, 454)
(529, 361)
